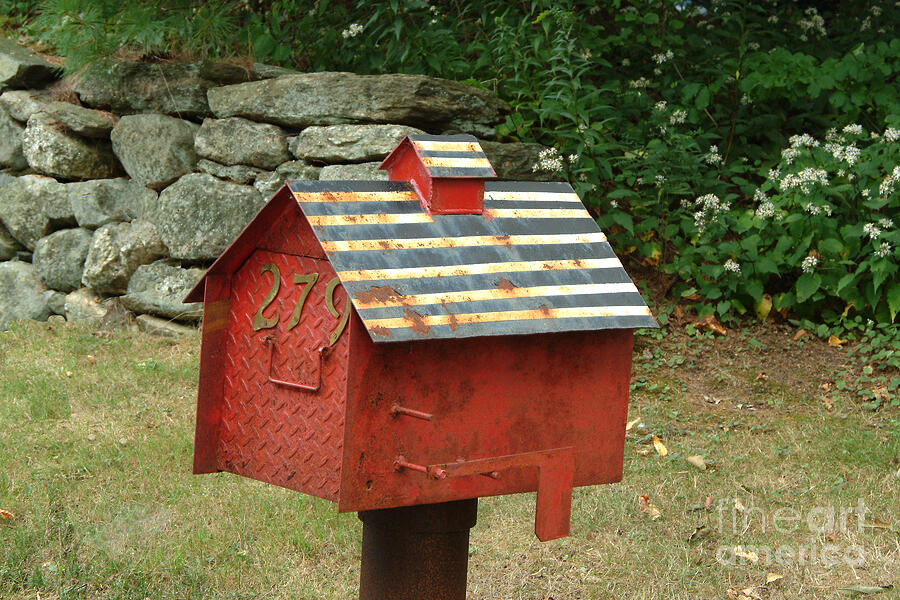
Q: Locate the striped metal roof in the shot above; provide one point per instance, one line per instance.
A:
(533, 262)
(452, 156)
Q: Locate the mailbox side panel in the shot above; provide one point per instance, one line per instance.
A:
(489, 397)
(271, 428)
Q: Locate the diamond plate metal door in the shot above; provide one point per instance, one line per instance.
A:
(285, 382)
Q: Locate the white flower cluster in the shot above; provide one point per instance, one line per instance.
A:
(660, 179)
(849, 153)
(549, 159)
(732, 265)
(660, 106)
(812, 23)
(886, 223)
(712, 157)
(354, 30)
(883, 250)
(804, 179)
(765, 208)
(774, 174)
(709, 207)
(573, 158)
(804, 139)
(891, 134)
(663, 57)
(809, 263)
(677, 117)
(853, 129)
(887, 184)
(815, 209)
(789, 154)
(639, 83)
(872, 230)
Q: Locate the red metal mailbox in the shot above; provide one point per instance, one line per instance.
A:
(435, 337)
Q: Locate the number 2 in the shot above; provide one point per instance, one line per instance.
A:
(259, 321)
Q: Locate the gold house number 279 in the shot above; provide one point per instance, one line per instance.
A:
(307, 280)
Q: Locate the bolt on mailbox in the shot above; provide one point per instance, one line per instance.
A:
(437, 337)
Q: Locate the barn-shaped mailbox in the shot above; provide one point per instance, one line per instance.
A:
(435, 337)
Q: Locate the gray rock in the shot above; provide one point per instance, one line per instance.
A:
(158, 289)
(163, 328)
(128, 87)
(81, 120)
(117, 250)
(59, 258)
(32, 206)
(336, 98)
(21, 104)
(22, 295)
(348, 143)
(513, 161)
(20, 67)
(11, 142)
(199, 216)
(56, 302)
(264, 71)
(83, 303)
(297, 169)
(50, 149)
(9, 245)
(236, 173)
(363, 171)
(269, 183)
(101, 201)
(236, 141)
(155, 149)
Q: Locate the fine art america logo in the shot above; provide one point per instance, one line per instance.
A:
(809, 534)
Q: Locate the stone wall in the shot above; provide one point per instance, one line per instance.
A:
(118, 187)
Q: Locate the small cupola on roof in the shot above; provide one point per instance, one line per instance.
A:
(446, 171)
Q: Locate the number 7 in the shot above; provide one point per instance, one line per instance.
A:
(309, 279)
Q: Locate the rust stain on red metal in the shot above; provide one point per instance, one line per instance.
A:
(505, 284)
(379, 295)
(417, 322)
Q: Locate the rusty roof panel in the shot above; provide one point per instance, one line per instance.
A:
(452, 156)
(534, 262)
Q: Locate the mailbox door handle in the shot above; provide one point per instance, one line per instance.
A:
(555, 481)
(293, 384)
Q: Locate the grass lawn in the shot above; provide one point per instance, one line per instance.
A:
(96, 434)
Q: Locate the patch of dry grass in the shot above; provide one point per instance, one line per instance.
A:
(96, 434)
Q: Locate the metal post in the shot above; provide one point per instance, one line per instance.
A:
(416, 552)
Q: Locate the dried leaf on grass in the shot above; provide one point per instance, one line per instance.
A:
(700, 533)
(660, 447)
(697, 461)
(630, 424)
(6, 515)
(801, 333)
(710, 323)
(865, 590)
(772, 577)
(835, 342)
(747, 555)
(647, 507)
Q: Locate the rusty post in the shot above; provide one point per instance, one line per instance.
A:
(416, 552)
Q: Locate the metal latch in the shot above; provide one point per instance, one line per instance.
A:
(556, 472)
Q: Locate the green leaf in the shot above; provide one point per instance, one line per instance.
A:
(702, 99)
(831, 246)
(807, 285)
(893, 300)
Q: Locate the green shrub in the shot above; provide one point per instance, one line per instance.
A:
(657, 110)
